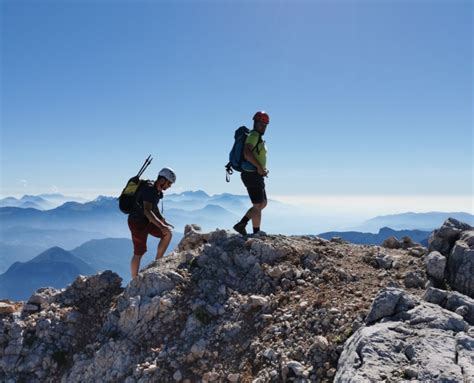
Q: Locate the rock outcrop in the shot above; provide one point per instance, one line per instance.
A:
(394, 243)
(453, 246)
(406, 338)
(226, 308)
(37, 343)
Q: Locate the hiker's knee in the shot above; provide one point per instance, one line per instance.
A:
(260, 206)
(167, 235)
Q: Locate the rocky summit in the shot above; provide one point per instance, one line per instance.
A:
(224, 308)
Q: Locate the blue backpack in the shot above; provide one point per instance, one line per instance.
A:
(236, 155)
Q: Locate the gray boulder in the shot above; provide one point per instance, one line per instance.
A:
(452, 301)
(419, 340)
(435, 264)
(455, 241)
(443, 239)
(384, 261)
(384, 304)
(408, 243)
(414, 280)
(461, 264)
(193, 237)
(392, 243)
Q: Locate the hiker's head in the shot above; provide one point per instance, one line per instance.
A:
(260, 121)
(166, 177)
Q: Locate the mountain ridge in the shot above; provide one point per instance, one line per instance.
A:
(266, 308)
(364, 238)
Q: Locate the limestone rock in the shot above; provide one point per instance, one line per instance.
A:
(452, 301)
(429, 338)
(220, 308)
(461, 264)
(392, 243)
(414, 280)
(6, 308)
(435, 264)
(443, 239)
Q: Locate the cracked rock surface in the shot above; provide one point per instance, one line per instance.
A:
(454, 241)
(410, 339)
(224, 308)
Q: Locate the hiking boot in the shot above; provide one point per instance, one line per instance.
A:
(240, 228)
(259, 233)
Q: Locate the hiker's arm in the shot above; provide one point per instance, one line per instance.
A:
(147, 210)
(163, 219)
(158, 215)
(250, 157)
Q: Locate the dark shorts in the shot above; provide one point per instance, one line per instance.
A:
(140, 231)
(255, 185)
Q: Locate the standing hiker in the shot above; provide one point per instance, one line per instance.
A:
(146, 218)
(254, 169)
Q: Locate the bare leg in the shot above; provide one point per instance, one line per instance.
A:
(135, 265)
(257, 217)
(249, 213)
(256, 213)
(163, 245)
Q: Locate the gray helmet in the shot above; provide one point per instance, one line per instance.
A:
(169, 174)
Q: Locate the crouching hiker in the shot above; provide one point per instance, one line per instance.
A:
(146, 217)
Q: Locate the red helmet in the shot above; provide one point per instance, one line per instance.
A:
(261, 117)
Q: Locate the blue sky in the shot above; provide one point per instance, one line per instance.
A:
(365, 97)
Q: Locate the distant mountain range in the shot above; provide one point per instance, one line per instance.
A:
(57, 267)
(103, 216)
(40, 202)
(25, 232)
(409, 221)
(10, 254)
(377, 239)
(53, 268)
(197, 200)
(22, 243)
(116, 253)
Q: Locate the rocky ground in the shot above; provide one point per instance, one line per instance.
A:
(227, 308)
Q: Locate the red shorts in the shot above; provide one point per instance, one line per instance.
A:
(140, 231)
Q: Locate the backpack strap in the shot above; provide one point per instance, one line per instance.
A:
(258, 143)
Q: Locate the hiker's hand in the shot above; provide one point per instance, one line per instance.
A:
(168, 224)
(164, 226)
(261, 171)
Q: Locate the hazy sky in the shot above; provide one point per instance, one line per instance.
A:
(365, 97)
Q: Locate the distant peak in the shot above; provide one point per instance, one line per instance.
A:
(385, 229)
(54, 249)
(53, 253)
(103, 198)
(191, 194)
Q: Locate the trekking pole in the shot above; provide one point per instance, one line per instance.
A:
(145, 165)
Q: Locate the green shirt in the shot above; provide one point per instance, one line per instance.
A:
(260, 152)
